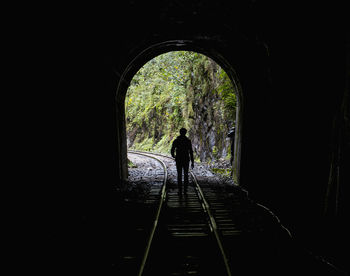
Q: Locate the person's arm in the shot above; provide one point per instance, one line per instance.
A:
(173, 149)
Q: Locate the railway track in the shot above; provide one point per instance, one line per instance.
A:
(215, 229)
(187, 234)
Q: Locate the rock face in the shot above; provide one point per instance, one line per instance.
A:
(210, 120)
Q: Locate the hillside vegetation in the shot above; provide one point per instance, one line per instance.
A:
(181, 89)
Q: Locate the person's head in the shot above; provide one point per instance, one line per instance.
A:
(183, 131)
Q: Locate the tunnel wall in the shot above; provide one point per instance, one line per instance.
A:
(289, 75)
(291, 71)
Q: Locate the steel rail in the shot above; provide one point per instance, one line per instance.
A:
(162, 199)
(206, 207)
(212, 223)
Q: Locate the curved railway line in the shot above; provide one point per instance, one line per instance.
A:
(161, 200)
(214, 229)
(187, 219)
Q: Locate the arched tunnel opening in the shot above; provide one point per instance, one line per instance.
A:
(248, 70)
(211, 54)
(185, 89)
(258, 142)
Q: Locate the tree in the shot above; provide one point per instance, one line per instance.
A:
(169, 92)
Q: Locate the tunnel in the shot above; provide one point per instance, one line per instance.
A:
(283, 142)
(290, 65)
(156, 50)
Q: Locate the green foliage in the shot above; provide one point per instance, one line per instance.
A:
(228, 95)
(215, 151)
(131, 164)
(166, 93)
(223, 172)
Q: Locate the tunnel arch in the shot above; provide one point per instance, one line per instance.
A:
(150, 52)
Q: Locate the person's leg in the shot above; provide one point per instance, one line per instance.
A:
(186, 166)
(179, 176)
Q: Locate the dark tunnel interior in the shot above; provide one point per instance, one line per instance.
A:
(292, 64)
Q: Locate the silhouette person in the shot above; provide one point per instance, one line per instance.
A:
(182, 151)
